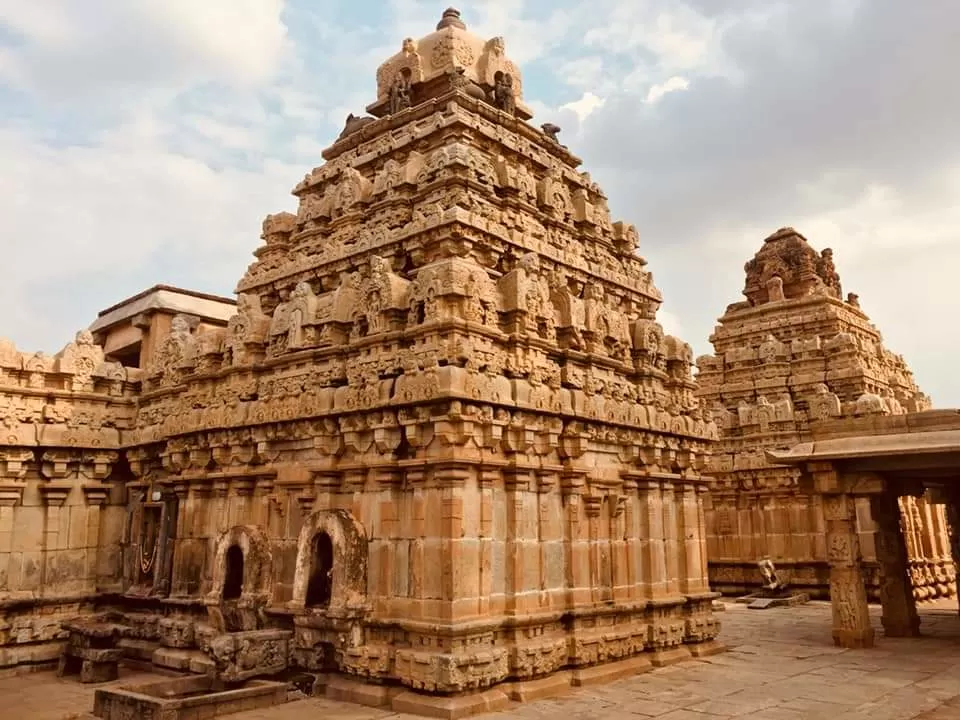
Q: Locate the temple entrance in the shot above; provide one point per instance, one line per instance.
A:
(320, 585)
(233, 580)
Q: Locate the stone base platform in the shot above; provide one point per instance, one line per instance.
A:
(779, 665)
(403, 700)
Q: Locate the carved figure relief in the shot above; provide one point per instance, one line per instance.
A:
(400, 92)
(503, 93)
(81, 359)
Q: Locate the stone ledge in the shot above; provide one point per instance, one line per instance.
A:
(610, 671)
(450, 708)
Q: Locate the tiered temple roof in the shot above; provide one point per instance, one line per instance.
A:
(795, 352)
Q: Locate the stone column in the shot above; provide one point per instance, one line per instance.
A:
(702, 495)
(517, 484)
(953, 524)
(13, 469)
(848, 596)
(690, 577)
(652, 549)
(671, 534)
(900, 617)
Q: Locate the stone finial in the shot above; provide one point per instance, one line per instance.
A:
(451, 18)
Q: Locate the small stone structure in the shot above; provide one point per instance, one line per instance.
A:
(91, 650)
(773, 592)
(442, 451)
(790, 356)
(188, 698)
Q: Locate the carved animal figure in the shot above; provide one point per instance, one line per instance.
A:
(353, 124)
(552, 131)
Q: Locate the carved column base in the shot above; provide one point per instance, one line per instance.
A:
(853, 639)
(901, 628)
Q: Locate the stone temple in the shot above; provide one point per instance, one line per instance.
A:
(439, 454)
(793, 354)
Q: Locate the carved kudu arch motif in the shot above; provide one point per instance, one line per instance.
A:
(243, 612)
(349, 572)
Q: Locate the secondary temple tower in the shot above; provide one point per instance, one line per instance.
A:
(443, 443)
(796, 353)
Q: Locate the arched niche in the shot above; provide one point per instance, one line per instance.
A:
(242, 578)
(233, 573)
(348, 575)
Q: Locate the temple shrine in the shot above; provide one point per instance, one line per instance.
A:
(437, 455)
(795, 353)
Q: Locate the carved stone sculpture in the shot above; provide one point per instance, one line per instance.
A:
(551, 131)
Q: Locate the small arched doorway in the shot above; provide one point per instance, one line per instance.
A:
(233, 577)
(320, 584)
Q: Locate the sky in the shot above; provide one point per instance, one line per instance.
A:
(143, 141)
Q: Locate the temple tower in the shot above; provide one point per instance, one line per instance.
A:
(469, 450)
(792, 354)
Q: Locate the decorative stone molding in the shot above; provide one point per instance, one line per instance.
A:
(14, 463)
(58, 464)
(11, 492)
(55, 492)
(96, 493)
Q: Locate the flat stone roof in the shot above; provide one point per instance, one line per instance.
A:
(170, 299)
(925, 433)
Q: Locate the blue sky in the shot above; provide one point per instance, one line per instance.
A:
(143, 141)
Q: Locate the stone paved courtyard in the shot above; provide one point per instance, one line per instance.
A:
(781, 666)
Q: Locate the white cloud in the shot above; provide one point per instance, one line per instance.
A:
(70, 49)
(587, 103)
(658, 91)
(90, 225)
(671, 324)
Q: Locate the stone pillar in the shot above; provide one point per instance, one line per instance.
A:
(702, 497)
(13, 469)
(517, 483)
(900, 617)
(652, 551)
(953, 524)
(691, 578)
(848, 596)
(671, 543)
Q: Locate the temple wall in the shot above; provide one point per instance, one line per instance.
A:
(61, 503)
